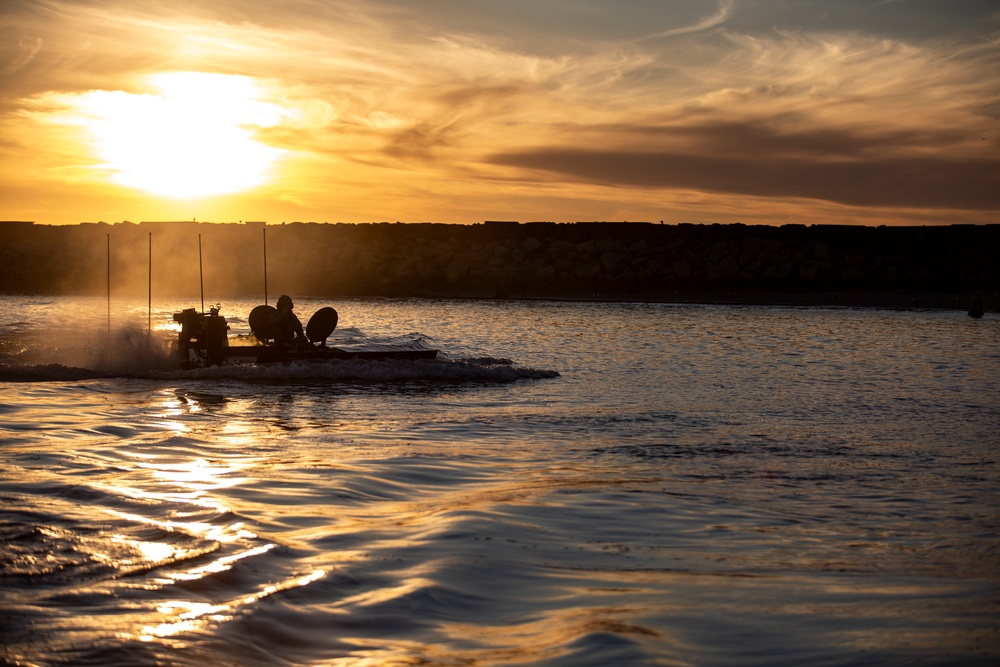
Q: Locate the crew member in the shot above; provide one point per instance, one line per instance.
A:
(286, 326)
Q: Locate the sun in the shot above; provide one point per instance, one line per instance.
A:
(194, 136)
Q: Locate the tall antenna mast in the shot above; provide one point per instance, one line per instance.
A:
(149, 306)
(265, 264)
(201, 276)
(109, 284)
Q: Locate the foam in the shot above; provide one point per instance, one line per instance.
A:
(132, 351)
(130, 362)
(357, 370)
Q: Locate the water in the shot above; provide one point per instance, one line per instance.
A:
(569, 484)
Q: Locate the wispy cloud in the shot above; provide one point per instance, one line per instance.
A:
(23, 49)
(829, 108)
(708, 113)
(715, 20)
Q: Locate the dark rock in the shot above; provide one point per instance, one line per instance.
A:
(616, 259)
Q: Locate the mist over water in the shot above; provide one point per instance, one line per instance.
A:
(127, 349)
(568, 484)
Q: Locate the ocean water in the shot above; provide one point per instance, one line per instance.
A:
(569, 484)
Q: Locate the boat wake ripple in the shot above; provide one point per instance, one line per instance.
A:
(478, 370)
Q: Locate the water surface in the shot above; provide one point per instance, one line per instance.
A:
(568, 484)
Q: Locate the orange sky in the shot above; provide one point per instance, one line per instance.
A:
(826, 111)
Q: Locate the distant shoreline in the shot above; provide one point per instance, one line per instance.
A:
(957, 302)
(900, 301)
(943, 302)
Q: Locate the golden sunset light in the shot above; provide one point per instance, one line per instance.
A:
(190, 140)
(856, 112)
(520, 332)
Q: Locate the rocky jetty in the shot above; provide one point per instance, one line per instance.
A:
(936, 266)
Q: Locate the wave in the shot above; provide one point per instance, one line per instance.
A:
(46, 373)
(481, 370)
(131, 352)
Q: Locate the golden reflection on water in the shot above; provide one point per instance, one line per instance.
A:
(387, 593)
(224, 534)
(191, 616)
(222, 564)
(192, 482)
(400, 656)
(198, 475)
(150, 552)
(202, 484)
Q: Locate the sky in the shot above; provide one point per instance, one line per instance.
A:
(758, 111)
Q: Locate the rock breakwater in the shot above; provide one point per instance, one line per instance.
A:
(731, 262)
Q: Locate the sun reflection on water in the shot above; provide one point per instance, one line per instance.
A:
(224, 534)
(150, 552)
(199, 474)
(189, 482)
(222, 564)
(191, 616)
(195, 490)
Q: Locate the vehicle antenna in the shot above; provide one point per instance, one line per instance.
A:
(265, 264)
(201, 276)
(109, 284)
(149, 291)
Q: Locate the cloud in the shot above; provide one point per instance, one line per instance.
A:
(925, 182)
(537, 100)
(718, 18)
(18, 52)
(849, 119)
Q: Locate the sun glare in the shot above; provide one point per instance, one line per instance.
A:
(194, 137)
